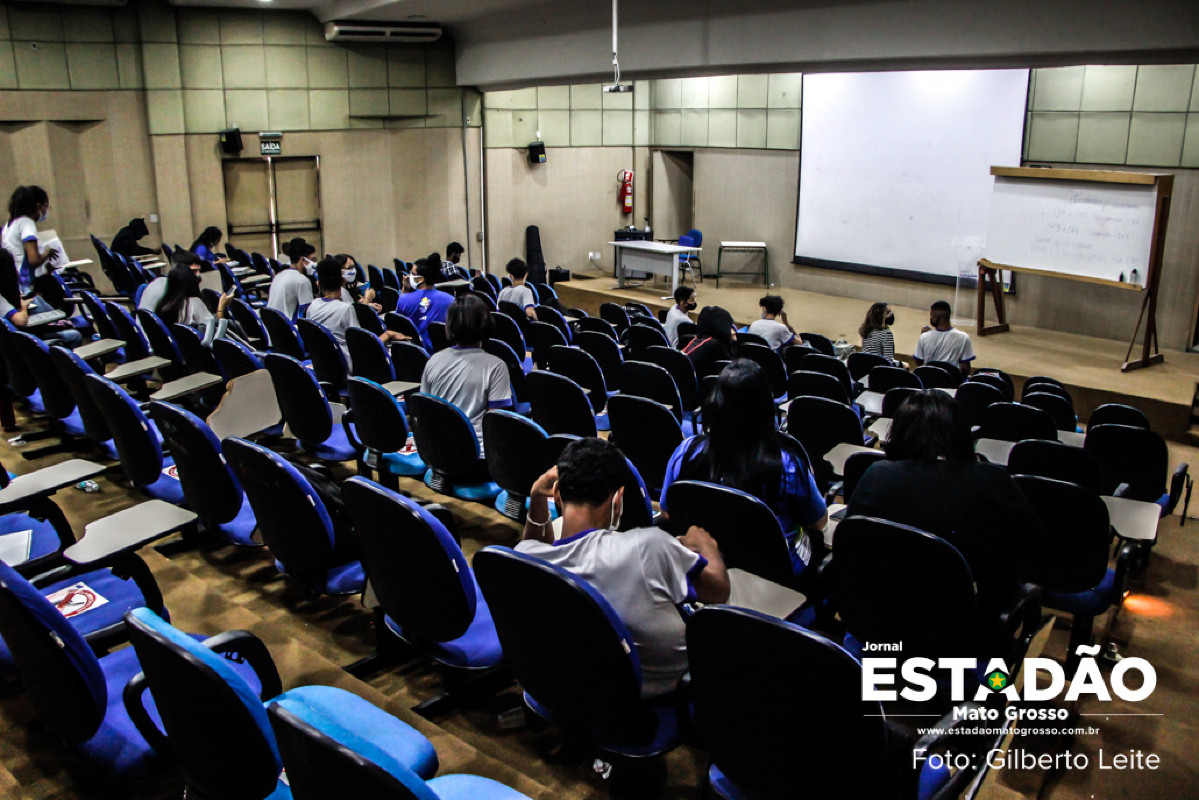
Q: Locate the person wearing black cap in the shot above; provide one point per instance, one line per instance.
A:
(292, 287)
(125, 242)
(450, 271)
(713, 342)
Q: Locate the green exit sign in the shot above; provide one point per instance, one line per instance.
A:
(271, 148)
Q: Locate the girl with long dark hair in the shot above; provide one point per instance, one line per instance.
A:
(206, 244)
(875, 331)
(181, 302)
(742, 448)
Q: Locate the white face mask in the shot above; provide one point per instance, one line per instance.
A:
(309, 266)
(349, 275)
(42, 217)
(414, 281)
(614, 519)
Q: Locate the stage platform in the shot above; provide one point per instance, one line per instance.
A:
(1089, 366)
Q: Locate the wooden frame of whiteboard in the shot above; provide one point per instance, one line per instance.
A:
(988, 272)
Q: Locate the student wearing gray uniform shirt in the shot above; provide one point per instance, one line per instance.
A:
(332, 310)
(644, 573)
(465, 375)
(773, 326)
(519, 293)
(684, 301)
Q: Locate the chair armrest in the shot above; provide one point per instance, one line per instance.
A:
(1179, 482)
(141, 718)
(445, 517)
(1126, 561)
(347, 422)
(245, 647)
(1024, 616)
(1121, 490)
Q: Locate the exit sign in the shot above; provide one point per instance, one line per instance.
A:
(271, 148)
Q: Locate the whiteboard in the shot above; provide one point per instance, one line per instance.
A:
(896, 166)
(1092, 230)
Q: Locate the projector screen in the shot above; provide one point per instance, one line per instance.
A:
(895, 168)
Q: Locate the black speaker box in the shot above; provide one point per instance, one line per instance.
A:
(231, 141)
(536, 152)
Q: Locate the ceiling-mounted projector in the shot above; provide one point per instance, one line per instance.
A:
(618, 88)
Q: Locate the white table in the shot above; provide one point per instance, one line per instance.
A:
(653, 257)
(744, 247)
(996, 451)
(871, 402)
(1073, 438)
(881, 428)
(841, 453)
(397, 388)
(1133, 519)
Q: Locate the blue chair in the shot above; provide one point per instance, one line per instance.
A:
(102, 323)
(408, 359)
(137, 441)
(282, 332)
(615, 315)
(378, 428)
(578, 664)
(369, 356)
(541, 337)
(234, 359)
(306, 410)
(517, 454)
(208, 484)
(57, 401)
(41, 520)
(756, 747)
(76, 695)
(1012, 422)
(559, 405)
(19, 377)
(554, 317)
(425, 588)
(772, 364)
(820, 424)
(1138, 457)
(210, 696)
(606, 352)
(328, 360)
(508, 331)
(643, 379)
(163, 345)
(136, 345)
(375, 276)
(397, 322)
(581, 368)
(322, 760)
(516, 373)
(250, 322)
(689, 262)
(648, 433)
(449, 445)
(72, 368)
(294, 521)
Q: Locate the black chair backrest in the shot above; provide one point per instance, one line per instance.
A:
(72, 368)
(829, 365)
(579, 660)
(856, 466)
(936, 377)
(293, 520)
(438, 338)
(954, 370)
(745, 337)
(680, 368)
(1011, 422)
(387, 297)
(1042, 386)
(640, 337)
(234, 359)
(747, 531)
(20, 377)
(993, 379)
(415, 567)
(444, 436)
(1072, 554)
(400, 324)
(282, 332)
(196, 357)
(770, 362)
(517, 453)
(882, 379)
(684, 330)
(596, 325)
(819, 342)
(513, 312)
(860, 364)
(896, 584)
(480, 284)
(751, 733)
(208, 486)
(304, 406)
(222, 746)
(1056, 406)
(559, 404)
(648, 433)
(1131, 455)
(643, 379)
(896, 397)
(369, 357)
(1057, 460)
(516, 372)
(137, 446)
(99, 316)
(1118, 414)
(554, 317)
(391, 279)
(615, 315)
(136, 345)
(541, 337)
(806, 383)
(163, 344)
(408, 359)
(606, 353)
(249, 322)
(1003, 376)
(379, 422)
(974, 397)
(368, 319)
(328, 361)
(581, 368)
(56, 395)
(509, 332)
(820, 424)
(1042, 379)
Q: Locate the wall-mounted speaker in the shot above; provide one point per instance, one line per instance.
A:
(536, 152)
(231, 141)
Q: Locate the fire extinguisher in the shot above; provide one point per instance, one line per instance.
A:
(625, 197)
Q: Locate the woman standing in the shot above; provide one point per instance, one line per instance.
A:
(28, 206)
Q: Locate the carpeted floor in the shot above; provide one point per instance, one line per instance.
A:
(226, 588)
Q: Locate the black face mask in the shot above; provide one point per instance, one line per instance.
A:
(690, 306)
(890, 319)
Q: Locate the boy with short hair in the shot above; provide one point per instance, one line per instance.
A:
(773, 326)
(519, 292)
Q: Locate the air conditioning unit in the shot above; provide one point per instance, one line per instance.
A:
(382, 32)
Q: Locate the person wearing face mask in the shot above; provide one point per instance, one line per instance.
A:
(645, 573)
(773, 326)
(684, 301)
(940, 341)
(425, 303)
(334, 312)
(876, 334)
(292, 287)
(28, 206)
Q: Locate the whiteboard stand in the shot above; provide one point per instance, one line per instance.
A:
(1160, 185)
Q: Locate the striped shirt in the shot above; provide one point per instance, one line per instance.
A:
(881, 342)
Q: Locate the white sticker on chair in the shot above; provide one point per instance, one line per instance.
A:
(75, 600)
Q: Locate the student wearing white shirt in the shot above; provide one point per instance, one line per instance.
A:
(292, 287)
(940, 341)
(28, 206)
(684, 301)
(519, 293)
(181, 301)
(331, 310)
(773, 326)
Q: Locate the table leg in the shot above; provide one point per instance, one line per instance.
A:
(719, 255)
(766, 262)
(619, 268)
(674, 283)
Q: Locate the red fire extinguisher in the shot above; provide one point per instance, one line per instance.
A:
(625, 197)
